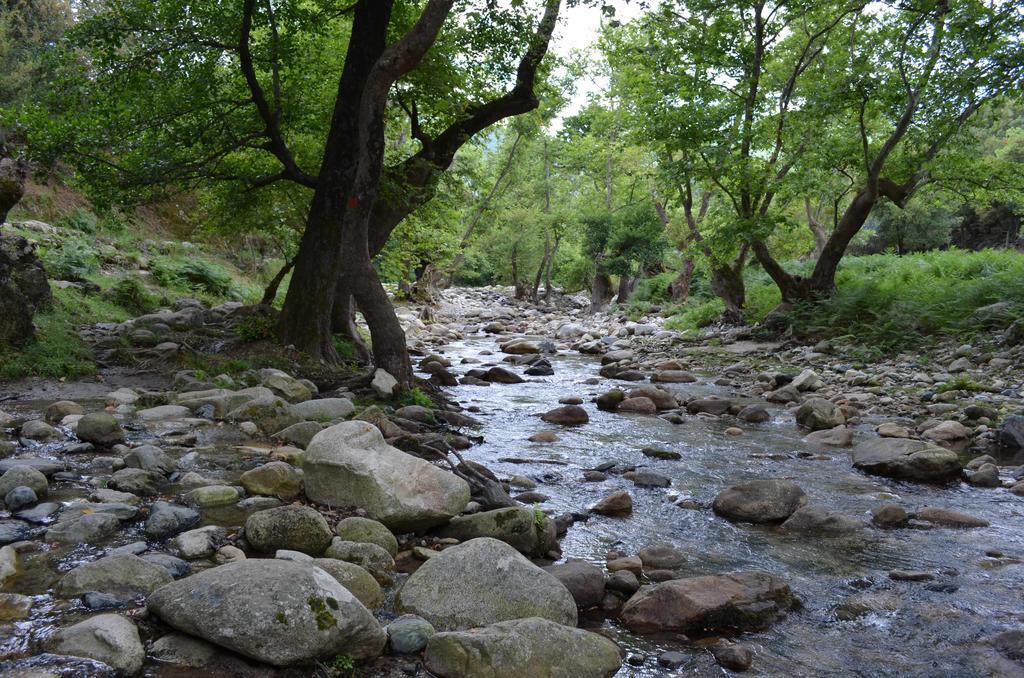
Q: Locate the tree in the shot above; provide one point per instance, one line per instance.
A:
(913, 76)
(261, 92)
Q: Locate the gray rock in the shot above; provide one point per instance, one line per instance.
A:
(349, 464)
(19, 498)
(270, 413)
(54, 412)
(481, 582)
(281, 612)
(100, 429)
(123, 575)
(40, 431)
(176, 567)
(729, 602)
(276, 479)
(409, 634)
(383, 383)
(818, 520)
(760, 501)
(754, 414)
(525, 529)
(285, 385)
(324, 409)
(137, 481)
(356, 579)
(906, 459)
(298, 528)
(84, 529)
(150, 458)
(300, 434)
(567, 415)
(517, 648)
(367, 531)
(370, 557)
(23, 476)
(107, 638)
(584, 580)
(166, 520)
(818, 414)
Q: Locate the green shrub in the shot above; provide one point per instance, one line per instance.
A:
(194, 274)
(696, 314)
(129, 293)
(961, 383)
(79, 219)
(894, 303)
(255, 327)
(415, 396)
(72, 260)
(655, 289)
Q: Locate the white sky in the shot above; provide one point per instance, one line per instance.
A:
(578, 28)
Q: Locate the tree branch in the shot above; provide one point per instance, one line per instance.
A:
(271, 119)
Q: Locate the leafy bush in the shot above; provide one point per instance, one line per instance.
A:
(894, 303)
(416, 396)
(194, 274)
(655, 289)
(73, 260)
(255, 327)
(132, 295)
(79, 219)
(696, 314)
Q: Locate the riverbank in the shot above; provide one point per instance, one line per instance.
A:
(563, 420)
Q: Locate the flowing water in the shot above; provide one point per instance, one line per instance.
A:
(936, 632)
(940, 623)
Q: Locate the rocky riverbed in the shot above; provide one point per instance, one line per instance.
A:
(601, 497)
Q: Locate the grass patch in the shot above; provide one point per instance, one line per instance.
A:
(57, 350)
(886, 304)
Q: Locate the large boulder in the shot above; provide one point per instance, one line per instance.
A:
(817, 520)
(819, 414)
(522, 648)
(23, 286)
(295, 528)
(276, 611)
(366, 531)
(567, 415)
(276, 479)
(270, 413)
(108, 638)
(324, 409)
(760, 501)
(729, 602)
(525, 529)
(122, 575)
(481, 582)
(100, 429)
(285, 385)
(356, 579)
(906, 459)
(23, 476)
(584, 580)
(349, 464)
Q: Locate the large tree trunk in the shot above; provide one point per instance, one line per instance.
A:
(679, 289)
(305, 321)
(306, 316)
(601, 291)
(727, 284)
(626, 285)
